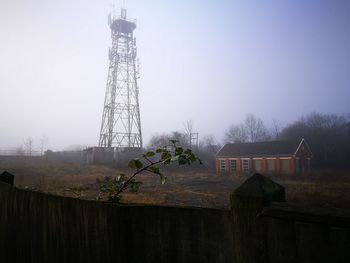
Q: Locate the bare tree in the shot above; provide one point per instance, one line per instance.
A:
(328, 136)
(178, 136)
(192, 137)
(209, 144)
(236, 133)
(19, 151)
(188, 125)
(276, 129)
(208, 140)
(255, 128)
(157, 140)
(163, 139)
(43, 143)
(252, 130)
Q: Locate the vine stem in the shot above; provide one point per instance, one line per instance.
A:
(125, 185)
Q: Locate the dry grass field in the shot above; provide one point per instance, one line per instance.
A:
(185, 189)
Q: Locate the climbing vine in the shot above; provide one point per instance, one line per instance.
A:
(151, 161)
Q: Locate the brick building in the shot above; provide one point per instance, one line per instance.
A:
(272, 157)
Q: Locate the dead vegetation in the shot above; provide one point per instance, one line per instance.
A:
(186, 189)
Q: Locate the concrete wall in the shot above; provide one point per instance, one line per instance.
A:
(20, 160)
(65, 156)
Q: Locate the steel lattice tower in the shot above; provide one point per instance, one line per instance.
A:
(121, 124)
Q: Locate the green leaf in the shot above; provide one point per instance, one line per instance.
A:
(159, 150)
(120, 178)
(191, 158)
(173, 141)
(132, 164)
(149, 154)
(135, 186)
(179, 150)
(136, 163)
(165, 155)
(154, 169)
(162, 178)
(188, 151)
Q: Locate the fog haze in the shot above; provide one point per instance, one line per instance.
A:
(212, 62)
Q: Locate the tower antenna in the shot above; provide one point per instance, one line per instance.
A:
(121, 124)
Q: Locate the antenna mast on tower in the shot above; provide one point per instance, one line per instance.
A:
(121, 124)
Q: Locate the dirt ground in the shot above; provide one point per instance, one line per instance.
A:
(184, 189)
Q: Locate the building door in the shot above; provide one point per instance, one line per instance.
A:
(271, 166)
(258, 165)
(285, 166)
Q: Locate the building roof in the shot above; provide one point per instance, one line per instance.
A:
(254, 149)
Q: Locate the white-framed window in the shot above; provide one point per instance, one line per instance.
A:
(222, 166)
(233, 165)
(245, 165)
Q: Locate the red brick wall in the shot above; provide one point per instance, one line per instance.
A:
(292, 166)
(239, 165)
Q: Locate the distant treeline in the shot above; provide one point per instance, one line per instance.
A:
(328, 136)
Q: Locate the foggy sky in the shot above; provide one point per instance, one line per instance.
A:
(212, 62)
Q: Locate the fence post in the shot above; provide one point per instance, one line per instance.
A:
(6, 177)
(247, 202)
